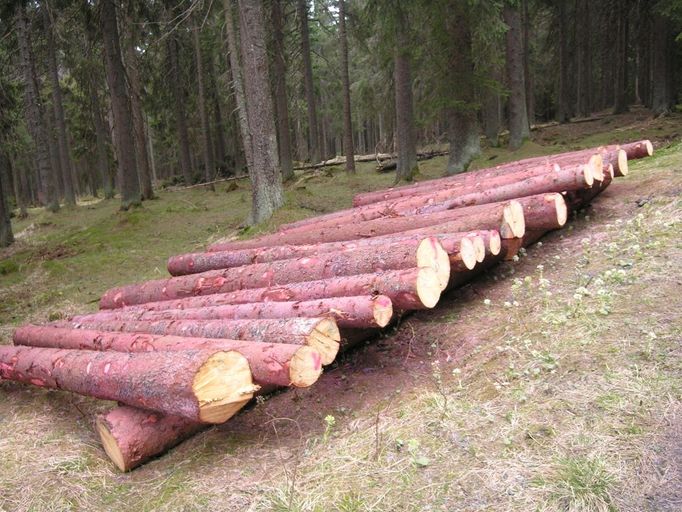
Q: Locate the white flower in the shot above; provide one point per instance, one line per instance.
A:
(507, 304)
(487, 302)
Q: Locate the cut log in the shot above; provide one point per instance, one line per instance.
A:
(359, 312)
(131, 436)
(207, 386)
(427, 253)
(271, 364)
(321, 334)
(639, 149)
(506, 217)
(415, 288)
(544, 211)
(581, 198)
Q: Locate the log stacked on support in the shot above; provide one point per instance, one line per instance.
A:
(251, 315)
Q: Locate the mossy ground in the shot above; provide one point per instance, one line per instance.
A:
(551, 383)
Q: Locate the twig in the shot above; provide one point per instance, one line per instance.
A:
(208, 183)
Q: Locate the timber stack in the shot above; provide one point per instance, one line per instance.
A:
(246, 317)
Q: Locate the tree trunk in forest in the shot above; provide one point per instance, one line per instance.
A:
(491, 113)
(280, 90)
(584, 56)
(129, 40)
(20, 191)
(518, 116)
(348, 150)
(62, 148)
(662, 98)
(622, 11)
(124, 142)
(209, 161)
(238, 82)
(462, 121)
(309, 86)
(265, 174)
(35, 115)
(563, 109)
(407, 165)
(6, 235)
(53, 150)
(215, 106)
(208, 385)
(103, 163)
(528, 76)
(179, 109)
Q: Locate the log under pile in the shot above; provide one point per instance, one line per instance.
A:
(248, 316)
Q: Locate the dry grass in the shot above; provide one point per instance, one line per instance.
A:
(505, 397)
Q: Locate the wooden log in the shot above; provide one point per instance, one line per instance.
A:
(506, 217)
(272, 364)
(132, 436)
(359, 312)
(321, 334)
(544, 211)
(639, 149)
(201, 262)
(414, 288)
(208, 386)
(581, 198)
(427, 253)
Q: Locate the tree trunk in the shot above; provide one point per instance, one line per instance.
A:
(491, 115)
(313, 133)
(35, 115)
(621, 58)
(462, 123)
(563, 109)
(208, 386)
(320, 334)
(219, 146)
(663, 99)
(349, 262)
(136, 90)
(20, 192)
(272, 364)
(120, 105)
(209, 161)
(238, 82)
(407, 165)
(518, 116)
(6, 236)
(179, 109)
(348, 150)
(265, 174)
(103, 163)
(530, 94)
(544, 211)
(280, 90)
(57, 104)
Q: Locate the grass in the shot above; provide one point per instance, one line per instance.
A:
(551, 383)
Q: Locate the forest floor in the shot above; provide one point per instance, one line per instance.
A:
(551, 383)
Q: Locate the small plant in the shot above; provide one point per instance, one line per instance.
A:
(329, 423)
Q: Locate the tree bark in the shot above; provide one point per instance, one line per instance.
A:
(120, 105)
(135, 88)
(35, 115)
(167, 382)
(621, 57)
(530, 94)
(348, 149)
(265, 174)
(6, 235)
(272, 364)
(280, 90)
(57, 104)
(407, 165)
(209, 161)
(563, 109)
(663, 98)
(103, 163)
(544, 211)
(346, 263)
(519, 130)
(313, 134)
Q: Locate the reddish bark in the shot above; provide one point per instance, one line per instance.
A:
(488, 216)
(132, 436)
(270, 363)
(361, 312)
(161, 381)
(639, 149)
(407, 289)
(297, 331)
(581, 198)
(544, 211)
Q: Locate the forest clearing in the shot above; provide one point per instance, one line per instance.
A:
(340, 255)
(502, 397)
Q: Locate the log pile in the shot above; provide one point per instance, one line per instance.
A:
(248, 316)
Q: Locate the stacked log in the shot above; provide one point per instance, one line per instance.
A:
(248, 316)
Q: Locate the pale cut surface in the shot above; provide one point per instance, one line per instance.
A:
(305, 367)
(596, 164)
(383, 311)
(428, 287)
(623, 166)
(560, 206)
(222, 386)
(495, 243)
(110, 445)
(430, 253)
(479, 247)
(325, 339)
(514, 220)
(467, 252)
(590, 177)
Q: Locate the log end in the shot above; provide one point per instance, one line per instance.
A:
(428, 287)
(222, 386)
(494, 243)
(559, 206)
(623, 166)
(467, 252)
(596, 165)
(111, 447)
(649, 147)
(305, 367)
(430, 253)
(609, 173)
(383, 310)
(325, 339)
(513, 221)
(479, 247)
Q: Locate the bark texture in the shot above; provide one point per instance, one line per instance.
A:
(348, 149)
(519, 129)
(309, 86)
(209, 160)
